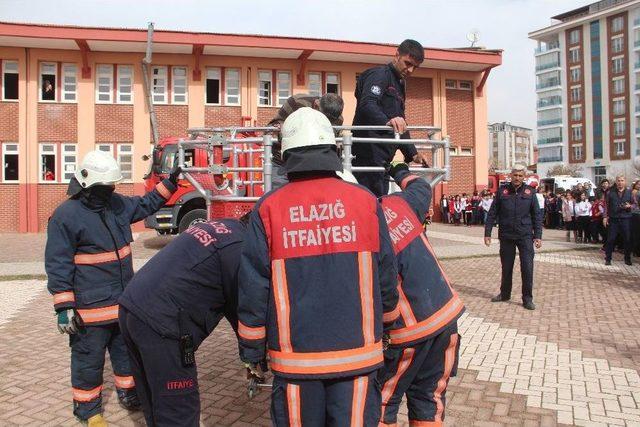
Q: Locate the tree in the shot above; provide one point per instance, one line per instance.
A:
(495, 164)
(571, 170)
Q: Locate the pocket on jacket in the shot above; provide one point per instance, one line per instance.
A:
(125, 226)
(94, 295)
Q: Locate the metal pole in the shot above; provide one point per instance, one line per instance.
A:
(267, 162)
(447, 158)
(347, 144)
(149, 96)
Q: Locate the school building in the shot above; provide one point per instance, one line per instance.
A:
(68, 90)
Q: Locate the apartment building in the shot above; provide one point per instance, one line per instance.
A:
(68, 90)
(510, 145)
(588, 89)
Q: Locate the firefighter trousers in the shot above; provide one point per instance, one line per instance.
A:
(167, 390)
(422, 372)
(88, 347)
(350, 401)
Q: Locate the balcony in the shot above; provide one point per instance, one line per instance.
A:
(548, 83)
(548, 48)
(547, 66)
(549, 159)
(554, 140)
(549, 121)
(549, 102)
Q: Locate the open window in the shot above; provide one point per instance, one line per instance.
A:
(264, 88)
(9, 80)
(213, 86)
(48, 162)
(9, 162)
(333, 83)
(48, 78)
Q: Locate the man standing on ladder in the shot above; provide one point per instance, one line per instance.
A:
(381, 93)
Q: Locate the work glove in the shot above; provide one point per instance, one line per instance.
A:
(395, 167)
(173, 175)
(67, 323)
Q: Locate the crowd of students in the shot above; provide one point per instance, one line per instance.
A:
(464, 209)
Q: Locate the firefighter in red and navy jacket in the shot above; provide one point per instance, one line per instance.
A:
(317, 281)
(88, 263)
(424, 342)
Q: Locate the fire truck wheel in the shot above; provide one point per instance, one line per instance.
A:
(192, 217)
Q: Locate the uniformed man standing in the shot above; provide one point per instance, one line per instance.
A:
(381, 92)
(618, 219)
(172, 304)
(520, 225)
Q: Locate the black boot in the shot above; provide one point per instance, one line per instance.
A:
(129, 400)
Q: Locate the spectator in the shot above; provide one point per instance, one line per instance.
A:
(485, 204)
(597, 213)
(577, 190)
(458, 210)
(468, 212)
(463, 201)
(541, 199)
(568, 216)
(603, 188)
(551, 210)
(477, 210)
(444, 208)
(635, 219)
(618, 219)
(49, 176)
(583, 218)
(559, 205)
(452, 211)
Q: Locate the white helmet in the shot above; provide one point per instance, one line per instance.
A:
(98, 168)
(306, 127)
(347, 176)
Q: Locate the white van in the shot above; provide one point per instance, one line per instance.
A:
(566, 182)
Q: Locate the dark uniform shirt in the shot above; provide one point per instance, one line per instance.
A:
(615, 202)
(380, 92)
(517, 213)
(196, 273)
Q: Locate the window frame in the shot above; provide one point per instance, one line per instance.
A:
(326, 83)
(462, 83)
(615, 20)
(576, 133)
(6, 152)
(207, 70)
(615, 60)
(165, 93)
(120, 153)
(615, 127)
(41, 145)
(572, 39)
(574, 58)
(98, 146)
(572, 71)
(617, 40)
(619, 101)
(119, 77)
(619, 143)
(99, 74)
(4, 73)
(309, 89)
(186, 85)
(576, 89)
(450, 84)
(573, 115)
(577, 148)
(279, 99)
(614, 82)
(64, 163)
(63, 83)
(227, 86)
(270, 91)
(40, 82)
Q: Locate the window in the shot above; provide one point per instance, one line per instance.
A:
(599, 173)
(264, 88)
(9, 162)
(619, 127)
(47, 162)
(465, 85)
(618, 65)
(466, 151)
(577, 152)
(69, 82)
(213, 86)
(125, 84)
(179, 85)
(619, 146)
(576, 133)
(450, 84)
(617, 44)
(453, 151)
(617, 24)
(48, 75)
(576, 113)
(69, 161)
(104, 87)
(574, 36)
(159, 85)
(314, 86)
(618, 85)
(283, 81)
(232, 86)
(576, 95)
(9, 80)
(125, 160)
(333, 83)
(574, 54)
(618, 107)
(575, 74)
(107, 148)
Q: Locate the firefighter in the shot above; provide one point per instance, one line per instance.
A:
(380, 93)
(317, 282)
(88, 263)
(424, 343)
(330, 105)
(171, 305)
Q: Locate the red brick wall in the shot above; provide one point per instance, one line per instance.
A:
(222, 116)
(581, 82)
(419, 106)
(460, 126)
(114, 123)
(57, 122)
(9, 212)
(613, 153)
(173, 120)
(9, 121)
(265, 114)
(49, 197)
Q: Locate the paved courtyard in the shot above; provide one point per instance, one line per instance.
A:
(573, 361)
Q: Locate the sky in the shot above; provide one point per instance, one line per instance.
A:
(502, 24)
